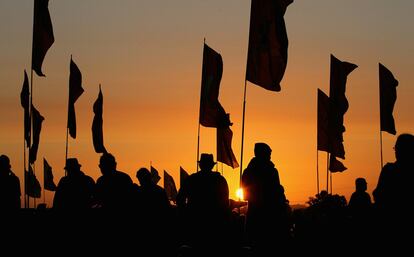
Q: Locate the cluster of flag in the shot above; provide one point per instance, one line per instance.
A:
(43, 39)
(332, 109)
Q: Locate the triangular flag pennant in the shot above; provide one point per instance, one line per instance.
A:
(25, 103)
(154, 175)
(388, 95)
(97, 124)
(75, 91)
(33, 188)
(169, 186)
(37, 120)
(48, 183)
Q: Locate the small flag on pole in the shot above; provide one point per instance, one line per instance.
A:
(75, 91)
(323, 121)
(37, 120)
(335, 165)
(169, 186)
(33, 188)
(183, 176)
(97, 124)
(43, 37)
(388, 95)
(48, 183)
(224, 152)
(25, 102)
(154, 175)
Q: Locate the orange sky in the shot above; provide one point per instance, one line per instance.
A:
(147, 55)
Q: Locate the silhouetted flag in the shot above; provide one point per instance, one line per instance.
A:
(97, 129)
(211, 111)
(183, 176)
(388, 95)
(154, 175)
(42, 34)
(75, 91)
(224, 152)
(169, 186)
(37, 120)
(33, 188)
(48, 182)
(339, 104)
(323, 121)
(25, 102)
(268, 43)
(335, 165)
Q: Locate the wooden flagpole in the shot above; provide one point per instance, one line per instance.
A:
(242, 140)
(199, 112)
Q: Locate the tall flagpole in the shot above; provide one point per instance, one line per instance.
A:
(242, 140)
(317, 171)
(327, 172)
(24, 163)
(199, 112)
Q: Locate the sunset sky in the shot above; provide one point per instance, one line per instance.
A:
(147, 55)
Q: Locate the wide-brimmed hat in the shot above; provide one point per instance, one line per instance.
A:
(206, 158)
(72, 163)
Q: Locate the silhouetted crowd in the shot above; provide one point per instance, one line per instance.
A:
(116, 213)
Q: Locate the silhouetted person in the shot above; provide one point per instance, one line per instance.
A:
(114, 188)
(204, 199)
(9, 186)
(394, 193)
(74, 191)
(266, 217)
(154, 215)
(154, 200)
(360, 202)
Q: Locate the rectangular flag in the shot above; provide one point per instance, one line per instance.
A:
(43, 37)
(211, 111)
(183, 176)
(37, 120)
(97, 127)
(224, 152)
(169, 186)
(75, 91)
(268, 43)
(338, 104)
(154, 175)
(388, 95)
(323, 121)
(33, 188)
(25, 103)
(48, 183)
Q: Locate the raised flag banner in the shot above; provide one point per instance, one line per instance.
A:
(338, 104)
(97, 124)
(25, 103)
(335, 165)
(155, 177)
(75, 91)
(268, 43)
(183, 176)
(48, 183)
(211, 111)
(224, 152)
(37, 120)
(323, 121)
(33, 188)
(43, 37)
(388, 95)
(169, 186)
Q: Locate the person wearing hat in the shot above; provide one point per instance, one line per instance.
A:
(9, 186)
(267, 205)
(203, 200)
(74, 191)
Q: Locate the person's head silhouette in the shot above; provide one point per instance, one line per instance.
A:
(107, 163)
(206, 162)
(144, 176)
(360, 185)
(72, 166)
(404, 148)
(4, 164)
(262, 151)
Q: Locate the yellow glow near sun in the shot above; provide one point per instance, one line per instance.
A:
(239, 194)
